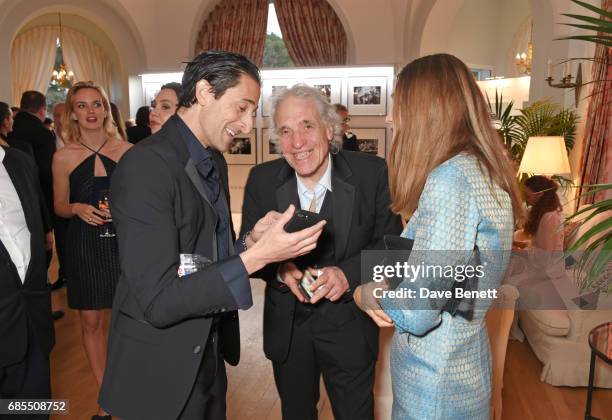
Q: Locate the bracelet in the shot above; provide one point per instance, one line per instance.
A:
(244, 238)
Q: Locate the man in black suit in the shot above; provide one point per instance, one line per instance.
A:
(349, 139)
(26, 326)
(28, 128)
(171, 330)
(326, 334)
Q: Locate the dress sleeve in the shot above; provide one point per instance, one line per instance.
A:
(444, 235)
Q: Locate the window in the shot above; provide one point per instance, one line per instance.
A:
(275, 51)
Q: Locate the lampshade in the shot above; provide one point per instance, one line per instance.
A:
(545, 156)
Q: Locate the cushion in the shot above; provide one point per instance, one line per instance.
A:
(554, 322)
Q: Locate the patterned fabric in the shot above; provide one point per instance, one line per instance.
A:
(238, 26)
(441, 365)
(597, 147)
(312, 32)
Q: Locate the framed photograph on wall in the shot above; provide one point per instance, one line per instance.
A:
(269, 150)
(243, 149)
(331, 87)
(371, 140)
(367, 96)
(270, 88)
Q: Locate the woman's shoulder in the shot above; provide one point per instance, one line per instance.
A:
(554, 216)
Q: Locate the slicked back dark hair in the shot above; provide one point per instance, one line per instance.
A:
(221, 69)
(142, 116)
(32, 101)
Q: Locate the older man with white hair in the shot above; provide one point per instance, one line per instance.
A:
(325, 334)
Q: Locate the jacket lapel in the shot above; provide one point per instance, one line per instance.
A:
(287, 194)
(344, 197)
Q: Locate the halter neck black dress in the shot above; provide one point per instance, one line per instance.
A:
(92, 261)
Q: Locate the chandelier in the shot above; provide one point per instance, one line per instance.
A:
(523, 60)
(61, 77)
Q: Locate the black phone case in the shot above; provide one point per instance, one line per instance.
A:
(302, 219)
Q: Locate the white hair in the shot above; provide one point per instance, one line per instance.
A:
(326, 111)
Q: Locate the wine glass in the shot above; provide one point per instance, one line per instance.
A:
(103, 205)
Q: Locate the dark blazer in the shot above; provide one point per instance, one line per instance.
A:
(160, 322)
(350, 143)
(361, 217)
(29, 132)
(137, 133)
(28, 304)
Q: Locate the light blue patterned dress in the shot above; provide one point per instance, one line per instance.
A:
(440, 364)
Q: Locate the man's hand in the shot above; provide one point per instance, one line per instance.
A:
(364, 298)
(261, 227)
(331, 284)
(292, 276)
(276, 245)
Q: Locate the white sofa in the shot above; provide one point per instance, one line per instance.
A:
(559, 338)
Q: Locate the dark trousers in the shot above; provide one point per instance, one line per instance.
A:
(27, 379)
(341, 355)
(207, 398)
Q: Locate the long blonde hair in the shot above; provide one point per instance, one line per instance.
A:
(71, 132)
(438, 112)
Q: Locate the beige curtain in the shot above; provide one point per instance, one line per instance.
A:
(312, 32)
(32, 60)
(238, 26)
(597, 151)
(86, 59)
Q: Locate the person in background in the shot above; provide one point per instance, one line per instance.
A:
(164, 105)
(81, 174)
(6, 123)
(15, 110)
(349, 139)
(141, 130)
(118, 121)
(26, 325)
(129, 123)
(449, 176)
(48, 124)
(544, 224)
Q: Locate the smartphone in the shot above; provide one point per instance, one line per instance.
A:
(302, 219)
(306, 284)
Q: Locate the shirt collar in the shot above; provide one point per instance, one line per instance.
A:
(2, 153)
(325, 180)
(196, 149)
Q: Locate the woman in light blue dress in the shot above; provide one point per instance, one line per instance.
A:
(449, 176)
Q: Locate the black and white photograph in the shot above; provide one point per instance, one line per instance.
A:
(242, 150)
(329, 86)
(269, 150)
(367, 96)
(371, 140)
(270, 88)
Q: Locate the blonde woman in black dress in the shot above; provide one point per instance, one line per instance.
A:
(81, 174)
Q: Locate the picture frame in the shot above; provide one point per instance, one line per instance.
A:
(268, 151)
(331, 87)
(371, 140)
(367, 96)
(243, 149)
(269, 88)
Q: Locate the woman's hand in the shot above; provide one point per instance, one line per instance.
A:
(365, 300)
(89, 214)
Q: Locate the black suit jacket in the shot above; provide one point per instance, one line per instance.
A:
(361, 217)
(29, 132)
(160, 322)
(28, 304)
(137, 133)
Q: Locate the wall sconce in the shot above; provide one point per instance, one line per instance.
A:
(566, 81)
